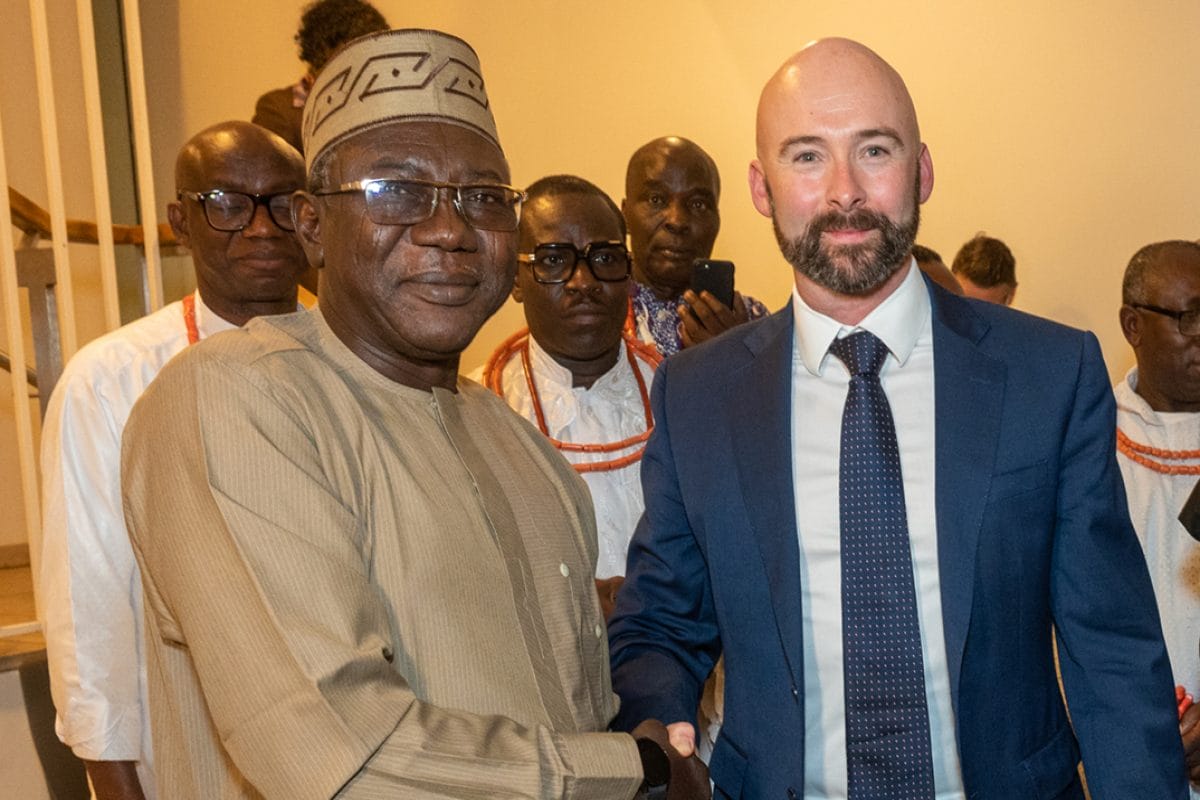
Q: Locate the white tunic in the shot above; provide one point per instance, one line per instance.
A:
(609, 411)
(89, 590)
(1155, 500)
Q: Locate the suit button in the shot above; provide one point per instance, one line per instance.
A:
(599, 630)
(565, 570)
(791, 793)
(795, 694)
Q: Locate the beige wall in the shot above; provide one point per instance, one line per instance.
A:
(1066, 129)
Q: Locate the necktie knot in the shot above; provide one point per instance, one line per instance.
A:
(862, 353)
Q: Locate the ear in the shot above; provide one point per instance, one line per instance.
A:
(1011, 297)
(1131, 325)
(177, 216)
(307, 221)
(760, 192)
(518, 294)
(925, 173)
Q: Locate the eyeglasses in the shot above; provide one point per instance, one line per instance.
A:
(486, 206)
(1188, 321)
(556, 262)
(233, 211)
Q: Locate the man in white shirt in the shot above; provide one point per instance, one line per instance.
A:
(571, 372)
(233, 211)
(882, 503)
(1158, 439)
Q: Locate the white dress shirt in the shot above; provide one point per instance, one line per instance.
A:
(89, 589)
(609, 411)
(1155, 500)
(819, 386)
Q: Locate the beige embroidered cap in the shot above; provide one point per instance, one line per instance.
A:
(396, 76)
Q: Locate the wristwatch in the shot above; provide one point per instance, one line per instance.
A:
(656, 770)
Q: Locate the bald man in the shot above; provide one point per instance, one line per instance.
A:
(234, 183)
(672, 189)
(917, 491)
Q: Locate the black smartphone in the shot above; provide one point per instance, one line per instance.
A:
(714, 277)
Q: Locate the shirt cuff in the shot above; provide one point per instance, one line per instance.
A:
(603, 765)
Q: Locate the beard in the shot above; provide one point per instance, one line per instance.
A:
(855, 270)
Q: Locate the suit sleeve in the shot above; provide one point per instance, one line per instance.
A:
(663, 635)
(1114, 664)
(252, 560)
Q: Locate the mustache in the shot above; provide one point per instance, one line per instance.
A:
(857, 220)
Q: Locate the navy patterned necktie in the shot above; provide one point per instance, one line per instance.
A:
(887, 722)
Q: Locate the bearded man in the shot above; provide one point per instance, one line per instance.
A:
(882, 503)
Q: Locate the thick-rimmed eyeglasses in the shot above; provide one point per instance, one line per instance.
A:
(391, 201)
(233, 211)
(1188, 321)
(556, 262)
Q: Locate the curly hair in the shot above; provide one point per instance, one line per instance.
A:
(325, 25)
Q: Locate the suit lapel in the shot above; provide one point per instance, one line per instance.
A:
(968, 395)
(760, 407)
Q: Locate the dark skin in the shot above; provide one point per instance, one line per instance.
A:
(241, 275)
(1169, 381)
(408, 299)
(578, 323)
(252, 272)
(671, 193)
(1168, 362)
(1189, 729)
(689, 775)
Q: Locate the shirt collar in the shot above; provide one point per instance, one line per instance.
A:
(897, 321)
(208, 322)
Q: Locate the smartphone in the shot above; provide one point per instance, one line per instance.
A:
(714, 277)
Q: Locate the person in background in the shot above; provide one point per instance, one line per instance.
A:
(572, 372)
(325, 25)
(1158, 439)
(671, 191)
(986, 269)
(233, 211)
(930, 262)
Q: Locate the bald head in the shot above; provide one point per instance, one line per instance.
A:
(1161, 296)
(235, 182)
(844, 79)
(241, 142)
(670, 206)
(650, 157)
(841, 172)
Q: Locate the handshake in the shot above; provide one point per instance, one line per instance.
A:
(670, 775)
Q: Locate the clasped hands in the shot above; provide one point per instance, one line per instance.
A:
(688, 776)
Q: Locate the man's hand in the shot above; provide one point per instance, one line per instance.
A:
(689, 775)
(607, 589)
(114, 780)
(704, 316)
(1189, 729)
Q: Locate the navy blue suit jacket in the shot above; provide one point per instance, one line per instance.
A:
(1033, 532)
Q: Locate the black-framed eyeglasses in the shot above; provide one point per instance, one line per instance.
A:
(556, 262)
(1188, 321)
(233, 211)
(394, 201)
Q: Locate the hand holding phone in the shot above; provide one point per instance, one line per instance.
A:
(714, 277)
